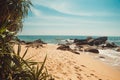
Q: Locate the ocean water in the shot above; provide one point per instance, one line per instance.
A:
(55, 39)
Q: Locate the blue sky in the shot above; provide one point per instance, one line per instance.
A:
(73, 17)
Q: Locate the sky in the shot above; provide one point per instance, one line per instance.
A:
(73, 17)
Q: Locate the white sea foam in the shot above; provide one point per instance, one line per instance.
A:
(114, 55)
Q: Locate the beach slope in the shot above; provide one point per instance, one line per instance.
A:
(65, 65)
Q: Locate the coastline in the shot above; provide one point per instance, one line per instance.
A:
(52, 38)
(65, 65)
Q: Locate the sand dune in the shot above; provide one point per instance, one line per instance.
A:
(65, 65)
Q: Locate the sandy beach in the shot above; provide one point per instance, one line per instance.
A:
(65, 65)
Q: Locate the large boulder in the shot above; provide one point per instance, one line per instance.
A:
(80, 42)
(97, 41)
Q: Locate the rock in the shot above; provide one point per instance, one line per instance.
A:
(76, 52)
(97, 41)
(110, 45)
(67, 48)
(39, 41)
(64, 47)
(27, 43)
(92, 50)
(89, 38)
(103, 39)
(80, 42)
(118, 49)
(91, 41)
(102, 57)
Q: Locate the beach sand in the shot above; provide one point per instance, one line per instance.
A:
(65, 65)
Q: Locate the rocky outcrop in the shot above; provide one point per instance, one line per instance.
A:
(97, 41)
(91, 41)
(37, 43)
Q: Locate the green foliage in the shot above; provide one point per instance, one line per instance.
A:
(12, 13)
(12, 65)
(15, 67)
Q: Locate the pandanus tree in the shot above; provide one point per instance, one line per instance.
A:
(12, 65)
(12, 13)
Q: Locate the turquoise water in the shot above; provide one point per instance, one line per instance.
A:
(55, 39)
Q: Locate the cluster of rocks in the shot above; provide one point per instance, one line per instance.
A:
(67, 48)
(88, 45)
(34, 44)
(101, 41)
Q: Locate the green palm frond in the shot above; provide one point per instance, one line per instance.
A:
(13, 66)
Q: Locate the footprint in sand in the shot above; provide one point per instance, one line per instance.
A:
(83, 65)
(79, 76)
(95, 76)
(77, 68)
(86, 75)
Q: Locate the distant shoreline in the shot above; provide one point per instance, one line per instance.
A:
(52, 38)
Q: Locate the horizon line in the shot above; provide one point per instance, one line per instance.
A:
(66, 35)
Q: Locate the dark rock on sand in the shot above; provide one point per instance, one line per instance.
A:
(92, 50)
(102, 57)
(64, 47)
(75, 52)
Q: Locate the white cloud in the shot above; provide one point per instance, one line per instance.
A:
(36, 12)
(73, 24)
(70, 7)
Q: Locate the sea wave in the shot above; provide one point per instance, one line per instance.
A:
(113, 55)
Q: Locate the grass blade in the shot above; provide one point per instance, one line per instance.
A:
(19, 49)
(42, 67)
(25, 53)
